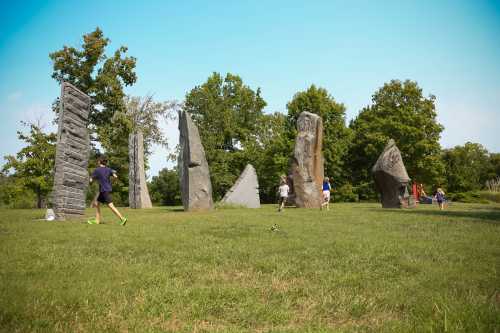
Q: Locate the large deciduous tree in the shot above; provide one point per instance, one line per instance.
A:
(227, 114)
(33, 164)
(401, 112)
(336, 135)
(102, 77)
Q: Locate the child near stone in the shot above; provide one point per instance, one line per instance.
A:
(102, 174)
(440, 198)
(283, 192)
(326, 193)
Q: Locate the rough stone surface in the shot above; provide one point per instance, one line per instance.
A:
(138, 195)
(245, 192)
(391, 178)
(196, 187)
(72, 154)
(307, 168)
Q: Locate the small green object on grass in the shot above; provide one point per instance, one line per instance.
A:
(92, 221)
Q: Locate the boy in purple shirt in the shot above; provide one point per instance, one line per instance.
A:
(102, 174)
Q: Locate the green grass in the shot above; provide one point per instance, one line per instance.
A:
(355, 268)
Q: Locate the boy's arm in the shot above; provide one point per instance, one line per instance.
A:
(113, 173)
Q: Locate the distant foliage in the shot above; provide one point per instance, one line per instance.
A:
(467, 167)
(164, 189)
(32, 166)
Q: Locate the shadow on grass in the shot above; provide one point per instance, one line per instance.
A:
(490, 215)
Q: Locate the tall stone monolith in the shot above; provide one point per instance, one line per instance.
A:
(307, 168)
(194, 174)
(138, 195)
(72, 154)
(245, 192)
(391, 178)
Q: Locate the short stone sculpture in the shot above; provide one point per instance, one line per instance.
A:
(307, 165)
(245, 192)
(194, 174)
(391, 178)
(138, 195)
(72, 154)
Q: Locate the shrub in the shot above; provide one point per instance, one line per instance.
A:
(345, 194)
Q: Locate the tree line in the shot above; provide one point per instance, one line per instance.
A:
(235, 131)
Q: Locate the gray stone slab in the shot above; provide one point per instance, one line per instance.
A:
(391, 178)
(138, 195)
(194, 174)
(245, 191)
(72, 154)
(307, 169)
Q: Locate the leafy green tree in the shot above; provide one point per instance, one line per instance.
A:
(227, 113)
(34, 164)
(398, 111)
(336, 135)
(467, 167)
(165, 188)
(103, 78)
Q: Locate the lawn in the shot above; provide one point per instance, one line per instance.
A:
(355, 268)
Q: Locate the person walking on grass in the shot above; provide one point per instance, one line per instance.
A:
(283, 192)
(440, 198)
(326, 194)
(102, 174)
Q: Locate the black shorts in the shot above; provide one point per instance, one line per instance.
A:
(105, 197)
(282, 200)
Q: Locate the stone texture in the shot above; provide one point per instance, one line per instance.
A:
(391, 178)
(196, 188)
(307, 170)
(245, 192)
(138, 195)
(72, 154)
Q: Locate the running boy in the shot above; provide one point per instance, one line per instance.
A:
(326, 194)
(283, 191)
(102, 174)
(440, 198)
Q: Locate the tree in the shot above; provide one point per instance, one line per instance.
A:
(102, 78)
(467, 167)
(398, 111)
(165, 188)
(227, 113)
(143, 115)
(336, 135)
(34, 164)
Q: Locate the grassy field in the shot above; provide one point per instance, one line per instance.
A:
(355, 268)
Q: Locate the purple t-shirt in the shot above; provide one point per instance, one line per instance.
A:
(102, 174)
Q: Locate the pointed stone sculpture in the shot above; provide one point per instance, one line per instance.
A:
(138, 195)
(196, 188)
(307, 165)
(391, 178)
(245, 192)
(72, 154)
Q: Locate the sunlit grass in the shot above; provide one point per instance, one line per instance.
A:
(355, 268)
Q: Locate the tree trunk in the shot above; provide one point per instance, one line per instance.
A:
(39, 200)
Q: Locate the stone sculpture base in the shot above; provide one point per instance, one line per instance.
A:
(138, 195)
(72, 154)
(194, 174)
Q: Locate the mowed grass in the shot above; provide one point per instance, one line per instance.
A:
(355, 268)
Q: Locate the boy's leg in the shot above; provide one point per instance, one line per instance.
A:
(115, 211)
(98, 212)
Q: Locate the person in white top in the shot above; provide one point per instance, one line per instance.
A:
(283, 191)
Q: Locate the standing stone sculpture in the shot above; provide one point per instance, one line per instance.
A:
(245, 192)
(391, 178)
(138, 195)
(72, 154)
(307, 165)
(196, 188)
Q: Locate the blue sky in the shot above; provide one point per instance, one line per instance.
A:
(451, 48)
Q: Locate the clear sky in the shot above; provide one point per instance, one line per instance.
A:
(451, 48)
